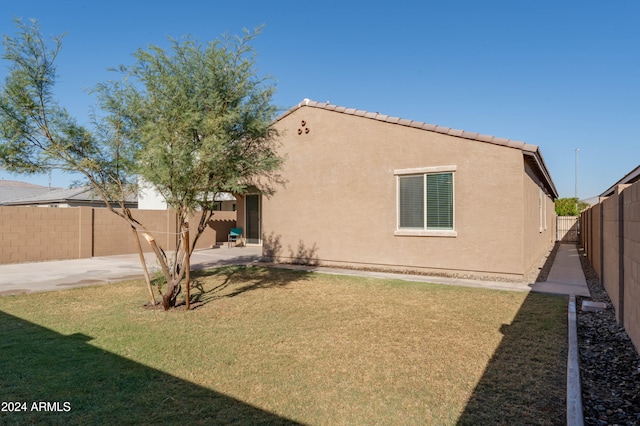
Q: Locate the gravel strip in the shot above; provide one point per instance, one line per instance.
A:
(609, 363)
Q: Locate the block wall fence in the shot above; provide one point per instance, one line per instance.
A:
(611, 239)
(36, 234)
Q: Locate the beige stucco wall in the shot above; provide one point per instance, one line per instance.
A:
(339, 205)
(539, 224)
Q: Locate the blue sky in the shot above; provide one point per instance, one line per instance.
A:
(558, 74)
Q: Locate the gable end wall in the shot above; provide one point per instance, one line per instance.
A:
(339, 205)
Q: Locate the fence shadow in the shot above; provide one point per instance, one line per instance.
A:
(524, 382)
(82, 384)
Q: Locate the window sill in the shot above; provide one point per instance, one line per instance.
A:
(424, 233)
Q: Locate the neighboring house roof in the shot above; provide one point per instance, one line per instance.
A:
(84, 195)
(631, 177)
(531, 152)
(224, 196)
(13, 189)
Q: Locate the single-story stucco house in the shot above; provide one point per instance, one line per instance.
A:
(150, 199)
(370, 191)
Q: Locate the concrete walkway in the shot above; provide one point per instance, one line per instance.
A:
(566, 275)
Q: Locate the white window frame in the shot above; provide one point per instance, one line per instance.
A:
(540, 203)
(544, 203)
(424, 232)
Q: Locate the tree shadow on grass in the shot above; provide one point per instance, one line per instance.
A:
(524, 382)
(214, 284)
(83, 384)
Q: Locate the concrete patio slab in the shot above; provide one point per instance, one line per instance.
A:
(61, 274)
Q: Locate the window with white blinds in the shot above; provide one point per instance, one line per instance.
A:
(411, 202)
(425, 200)
(440, 201)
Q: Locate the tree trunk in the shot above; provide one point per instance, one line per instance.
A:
(182, 258)
(144, 267)
(171, 294)
(159, 255)
(187, 262)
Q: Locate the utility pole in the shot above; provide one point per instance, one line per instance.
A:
(576, 194)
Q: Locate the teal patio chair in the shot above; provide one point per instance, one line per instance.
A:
(234, 234)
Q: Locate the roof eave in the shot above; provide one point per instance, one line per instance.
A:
(538, 160)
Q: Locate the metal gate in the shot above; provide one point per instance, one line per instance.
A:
(568, 229)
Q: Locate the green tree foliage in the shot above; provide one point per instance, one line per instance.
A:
(203, 119)
(202, 116)
(569, 206)
(192, 121)
(37, 134)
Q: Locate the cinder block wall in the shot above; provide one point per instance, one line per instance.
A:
(609, 244)
(112, 235)
(631, 263)
(32, 234)
(612, 242)
(35, 234)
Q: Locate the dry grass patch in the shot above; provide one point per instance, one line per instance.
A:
(270, 345)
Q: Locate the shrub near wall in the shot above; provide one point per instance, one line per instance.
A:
(34, 234)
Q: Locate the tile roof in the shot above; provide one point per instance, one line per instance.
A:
(58, 195)
(13, 189)
(529, 150)
(19, 184)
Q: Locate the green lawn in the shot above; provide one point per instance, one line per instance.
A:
(270, 346)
